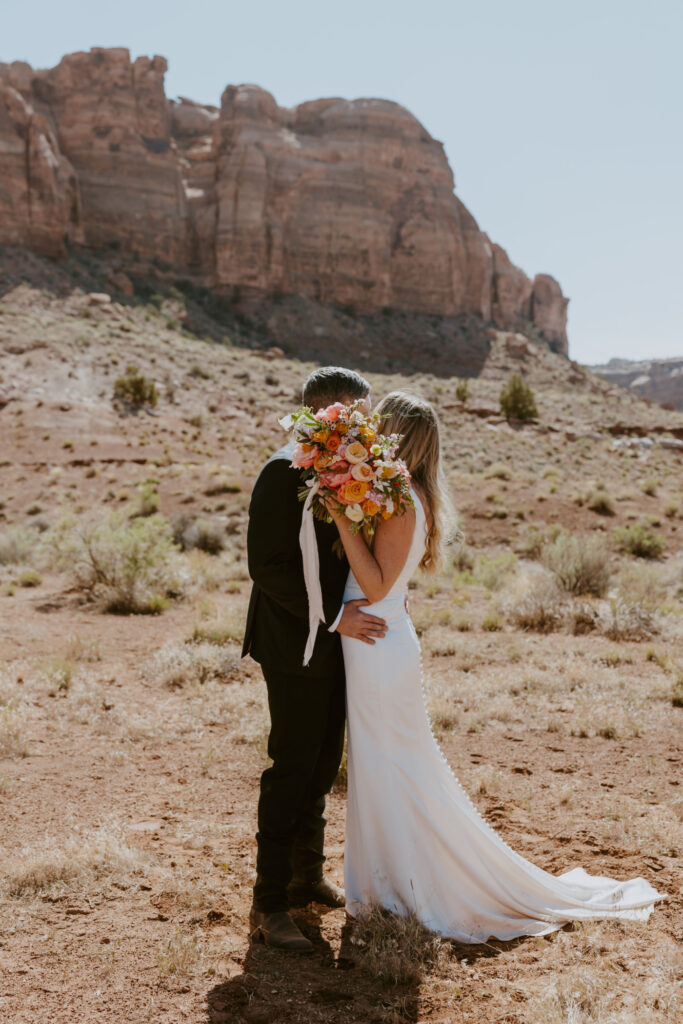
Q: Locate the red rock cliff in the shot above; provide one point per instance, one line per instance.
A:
(347, 202)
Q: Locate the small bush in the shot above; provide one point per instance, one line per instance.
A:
(206, 534)
(179, 665)
(129, 564)
(624, 620)
(17, 545)
(600, 502)
(636, 539)
(30, 578)
(581, 565)
(135, 389)
(462, 390)
(536, 602)
(492, 623)
(517, 400)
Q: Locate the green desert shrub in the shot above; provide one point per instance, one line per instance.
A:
(517, 400)
(135, 389)
(462, 390)
(636, 539)
(580, 564)
(128, 564)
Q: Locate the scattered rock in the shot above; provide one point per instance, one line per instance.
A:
(99, 298)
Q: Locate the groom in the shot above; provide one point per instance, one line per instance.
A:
(307, 705)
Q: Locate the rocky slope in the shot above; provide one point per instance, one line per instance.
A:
(347, 203)
(659, 380)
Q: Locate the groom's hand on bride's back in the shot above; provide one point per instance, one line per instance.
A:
(359, 624)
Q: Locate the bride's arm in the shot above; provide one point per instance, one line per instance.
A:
(377, 570)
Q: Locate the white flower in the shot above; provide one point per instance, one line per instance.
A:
(361, 471)
(355, 453)
(354, 513)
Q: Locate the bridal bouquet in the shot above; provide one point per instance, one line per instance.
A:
(348, 461)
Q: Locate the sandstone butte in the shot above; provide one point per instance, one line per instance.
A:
(349, 202)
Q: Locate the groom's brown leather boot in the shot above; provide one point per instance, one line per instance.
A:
(277, 930)
(321, 890)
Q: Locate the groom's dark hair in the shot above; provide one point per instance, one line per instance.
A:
(330, 384)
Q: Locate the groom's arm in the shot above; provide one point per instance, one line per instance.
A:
(273, 538)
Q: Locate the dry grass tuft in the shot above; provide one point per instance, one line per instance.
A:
(581, 565)
(13, 739)
(178, 955)
(179, 665)
(398, 950)
(586, 993)
(535, 601)
(54, 865)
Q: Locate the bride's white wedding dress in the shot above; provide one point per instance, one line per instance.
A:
(414, 840)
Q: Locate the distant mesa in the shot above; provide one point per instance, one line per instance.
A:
(344, 202)
(658, 380)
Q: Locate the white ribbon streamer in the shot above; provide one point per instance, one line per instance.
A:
(309, 553)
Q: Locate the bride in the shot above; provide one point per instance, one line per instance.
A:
(414, 840)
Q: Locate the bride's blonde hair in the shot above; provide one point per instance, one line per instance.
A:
(420, 449)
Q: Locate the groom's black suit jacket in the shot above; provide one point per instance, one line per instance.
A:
(277, 620)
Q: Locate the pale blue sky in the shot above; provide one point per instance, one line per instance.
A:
(562, 122)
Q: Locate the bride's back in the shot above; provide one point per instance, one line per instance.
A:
(394, 601)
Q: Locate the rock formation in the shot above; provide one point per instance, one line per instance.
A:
(659, 380)
(343, 202)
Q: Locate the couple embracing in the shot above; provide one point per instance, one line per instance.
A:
(414, 843)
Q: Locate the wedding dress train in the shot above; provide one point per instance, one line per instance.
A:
(414, 839)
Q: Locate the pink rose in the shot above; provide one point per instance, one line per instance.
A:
(331, 414)
(335, 480)
(302, 459)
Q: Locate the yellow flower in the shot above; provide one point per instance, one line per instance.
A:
(320, 435)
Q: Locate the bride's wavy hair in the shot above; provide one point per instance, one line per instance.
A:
(420, 449)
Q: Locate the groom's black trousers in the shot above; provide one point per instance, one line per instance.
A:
(306, 744)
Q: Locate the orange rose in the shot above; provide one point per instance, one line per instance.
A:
(370, 507)
(342, 428)
(322, 461)
(320, 435)
(333, 442)
(354, 491)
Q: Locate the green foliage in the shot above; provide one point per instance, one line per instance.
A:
(517, 400)
(462, 390)
(637, 540)
(135, 389)
(128, 564)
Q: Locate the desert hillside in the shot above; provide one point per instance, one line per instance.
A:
(133, 421)
(346, 203)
